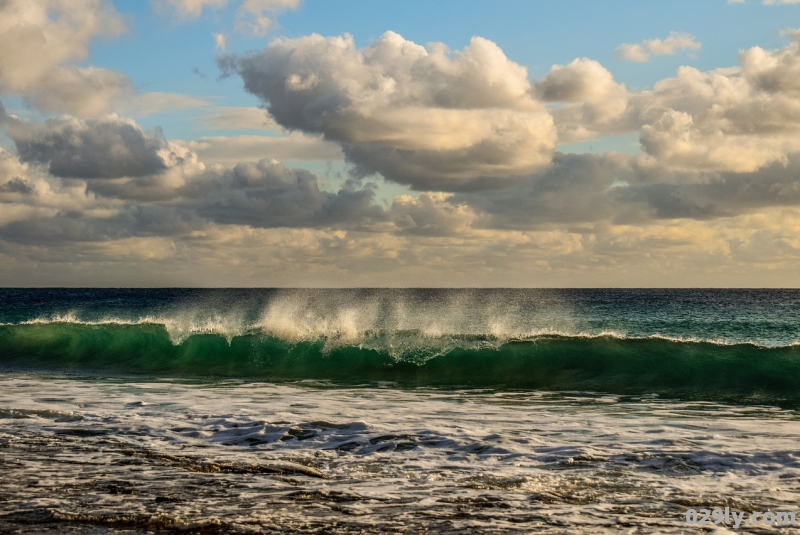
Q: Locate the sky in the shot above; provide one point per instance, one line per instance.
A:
(309, 143)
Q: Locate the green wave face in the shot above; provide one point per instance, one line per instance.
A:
(603, 363)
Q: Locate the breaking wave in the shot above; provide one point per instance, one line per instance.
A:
(606, 362)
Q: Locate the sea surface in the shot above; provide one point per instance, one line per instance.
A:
(396, 411)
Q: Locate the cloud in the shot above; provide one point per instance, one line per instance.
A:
(150, 186)
(253, 17)
(591, 100)
(738, 119)
(675, 139)
(427, 118)
(187, 9)
(418, 116)
(297, 147)
(773, 72)
(111, 147)
(257, 17)
(119, 161)
(28, 193)
(268, 194)
(585, 216)
(37, 37)
(642, 52)
(143, 104)
(574, 189)
(83, 91)
(240, 117)
(432, 214)
(219, 40)
(620, 189)
(716, 188)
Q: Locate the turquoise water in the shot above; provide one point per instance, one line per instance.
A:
(717, 344)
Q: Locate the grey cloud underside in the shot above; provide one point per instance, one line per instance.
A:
(266, 194)
(261, 194)
(576, 189)
(73, 227)
(725, 194)
(117, 160)
(425, 170)
(16, 185)
(621, 189)
(105, 148)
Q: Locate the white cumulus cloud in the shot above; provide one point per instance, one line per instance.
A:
(642, 52)
(419, 116)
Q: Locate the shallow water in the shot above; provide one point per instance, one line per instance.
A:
(104, 456)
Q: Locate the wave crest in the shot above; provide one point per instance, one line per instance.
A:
(598, 362)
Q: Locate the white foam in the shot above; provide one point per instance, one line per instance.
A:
(575, 458)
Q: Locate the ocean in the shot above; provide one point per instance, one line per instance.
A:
(396, 410)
